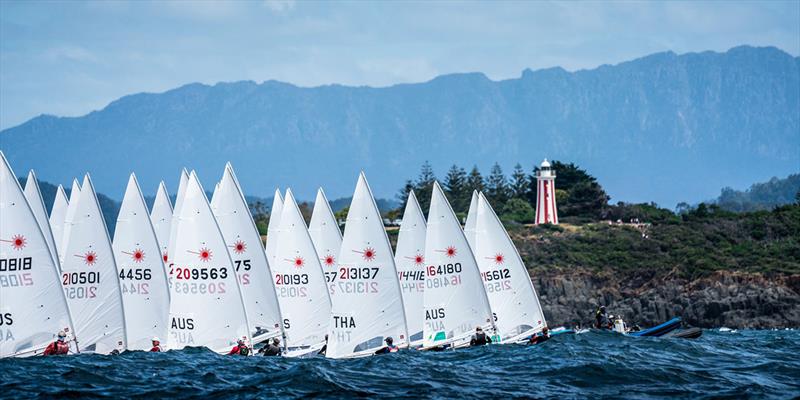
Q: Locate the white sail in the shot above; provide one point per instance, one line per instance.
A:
(141, 273)
(214, 198)
(455, 301)
(273, 227)
(34, 197)
(206, 307)
(173, 227)
(161, 218)
(249, 260)
(410, 261)
(32, 304)
(367, 306)
(472, 216)
(89, 274)
(58, 214)
(300, 283)
(74, 194)
(327, 237)
(508, 285)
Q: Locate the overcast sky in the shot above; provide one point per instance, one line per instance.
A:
(70, 57)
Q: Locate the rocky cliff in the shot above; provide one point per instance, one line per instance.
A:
(724, 298)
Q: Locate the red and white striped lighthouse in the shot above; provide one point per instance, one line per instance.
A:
(546, 195)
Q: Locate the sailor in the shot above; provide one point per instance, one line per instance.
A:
(156, 346)
(479, 338)
(59, 347)
(324, 347)
(540, 337)
(240, 349)
(601, 319)
(272, 349)
(389, 348)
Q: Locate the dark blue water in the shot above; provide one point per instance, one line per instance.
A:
(747, 363)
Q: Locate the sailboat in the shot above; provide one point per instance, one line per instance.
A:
(141, 273)
(74, 194)
(34, 197)
(58, 214)
(472, 217)
(273, 226)
(300, 284)
(367, 306)
(32, 304)
(161, 218)
(249, 259)
(206, 308)
(513, 299)
(327, 237)
(89, 276)
(454, 298)
(173, 226)
(410, 261)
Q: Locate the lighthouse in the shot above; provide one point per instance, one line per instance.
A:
(546, 195)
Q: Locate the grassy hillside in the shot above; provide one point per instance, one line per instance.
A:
(693, 245)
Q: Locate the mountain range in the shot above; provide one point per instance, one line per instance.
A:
(664, 128)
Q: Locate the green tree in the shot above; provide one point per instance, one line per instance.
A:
(455, 186)
(519, 183)
(475, 181)
(497, 189)
(518, 210)
(424, 185)
(586, 199)
(402, 195)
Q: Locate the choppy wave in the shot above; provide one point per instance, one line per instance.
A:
(746, 363)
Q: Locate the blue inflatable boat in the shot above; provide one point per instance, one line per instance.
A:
(659, 330)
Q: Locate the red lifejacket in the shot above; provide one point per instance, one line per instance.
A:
(56, 348)
(393, 349)
(156, 349)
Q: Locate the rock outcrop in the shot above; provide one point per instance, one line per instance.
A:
(731, 299)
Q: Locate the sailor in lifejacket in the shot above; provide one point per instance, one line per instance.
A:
(601, 319)
(156, 346)
(479, 338)
(272, 349)
(324, 347)
(240, 349)
(540, 337)
(389, 348)
(59, 347)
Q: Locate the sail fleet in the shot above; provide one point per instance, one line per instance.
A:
(198, 275)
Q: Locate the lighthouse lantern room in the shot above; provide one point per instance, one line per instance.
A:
(546, 195)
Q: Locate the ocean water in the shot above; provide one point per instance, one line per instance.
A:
(760, 364)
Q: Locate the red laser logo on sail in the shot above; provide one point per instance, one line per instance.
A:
(17, 242)
(239, 247)
(137, 255)
(329, 260)
(418, 259)
(204, 254)
(165, 256)
(89, 258)
(298, 262)
(498, 258)
(368, 253)
(450, 251)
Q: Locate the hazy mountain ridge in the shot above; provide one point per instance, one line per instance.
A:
(664, 127)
